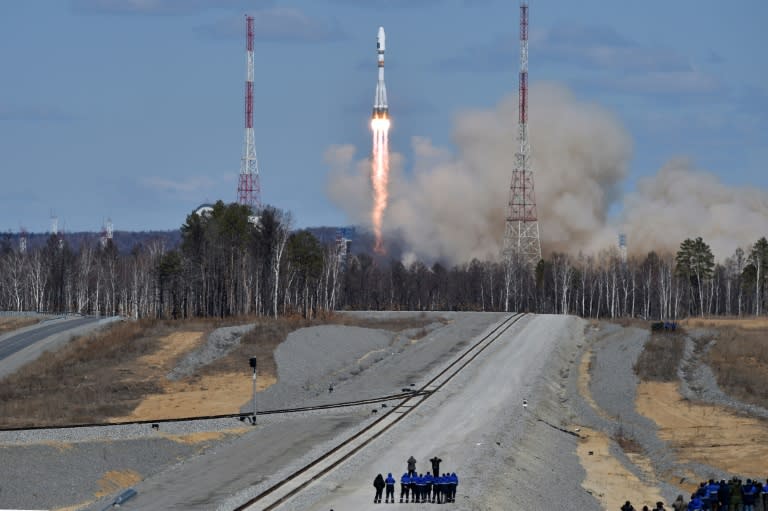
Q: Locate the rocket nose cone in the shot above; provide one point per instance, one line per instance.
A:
(380, 38)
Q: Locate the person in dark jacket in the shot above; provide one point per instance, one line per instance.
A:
(736, 498)
(765, 496)
(659, 507)
(390, 494)
(378, 483)
(435, 466)
(405, 486)
(627, 506)
(724, 496)
(679, 504)
(411, 466)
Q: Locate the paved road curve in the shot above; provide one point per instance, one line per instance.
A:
(10, 344)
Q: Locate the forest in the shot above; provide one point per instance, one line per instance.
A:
(232, 264)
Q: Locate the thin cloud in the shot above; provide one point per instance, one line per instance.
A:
(603, 48)
(179, 186)
(612, 61)
(34, 113)
(277, 24)
(159, 7)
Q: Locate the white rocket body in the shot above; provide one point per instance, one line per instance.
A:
(380, 107)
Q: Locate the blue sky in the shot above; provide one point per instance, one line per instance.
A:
(132, 109)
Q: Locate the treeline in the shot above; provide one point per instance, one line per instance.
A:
(229, 263)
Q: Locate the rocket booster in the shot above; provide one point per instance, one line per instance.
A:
(380, 108)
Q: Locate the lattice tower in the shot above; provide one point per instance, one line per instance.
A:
(249, 185)
(521, 234)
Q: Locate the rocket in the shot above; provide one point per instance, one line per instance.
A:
(380, 108)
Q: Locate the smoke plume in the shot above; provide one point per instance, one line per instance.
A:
(451, 206)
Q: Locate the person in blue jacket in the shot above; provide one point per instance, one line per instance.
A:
(390, 494)
(695, 504)
(712, 494)
(442, 488)
(428, 483)
(420, 485)
(405, 486)
(749, 495)
(453, 482)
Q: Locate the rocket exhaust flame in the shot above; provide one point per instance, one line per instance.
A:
(379, 177)
(380, 154)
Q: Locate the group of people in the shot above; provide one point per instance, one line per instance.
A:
(434, 488)
(732, 495)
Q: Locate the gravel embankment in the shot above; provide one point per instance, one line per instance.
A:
(218, 343)
(613, 387)
(698, 382)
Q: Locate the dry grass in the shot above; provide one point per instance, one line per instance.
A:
(109, 374)
(739, 359)
(85, 380)
(743, 323)
(661, 357)
(10, 324)
(627, 441)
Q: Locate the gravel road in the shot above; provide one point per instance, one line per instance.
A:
(22, 346)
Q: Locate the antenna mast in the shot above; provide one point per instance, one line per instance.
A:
(521, 234)
(249, 185)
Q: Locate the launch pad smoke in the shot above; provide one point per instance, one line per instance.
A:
(451, 206)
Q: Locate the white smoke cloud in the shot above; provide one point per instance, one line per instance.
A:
(680, 202)
(451, 207)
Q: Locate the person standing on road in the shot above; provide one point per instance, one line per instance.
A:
(378, 483)
(627, 506)
(435, 466)
(390, 482)
(420, 485)
(411, 466)
(405, 485)
(428, 483)
(453, 482)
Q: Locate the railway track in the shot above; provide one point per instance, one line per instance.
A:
(241, 416)
(279, 493)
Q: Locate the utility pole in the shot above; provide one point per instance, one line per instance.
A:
(252, 362)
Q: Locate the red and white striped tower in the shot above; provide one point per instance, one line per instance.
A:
(249, 185)
(521, 234)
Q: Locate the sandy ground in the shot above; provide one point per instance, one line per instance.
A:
(607, 479)
(704, 433)
(200, 396)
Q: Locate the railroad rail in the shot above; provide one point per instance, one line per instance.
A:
(282, 491)
(241, 416)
